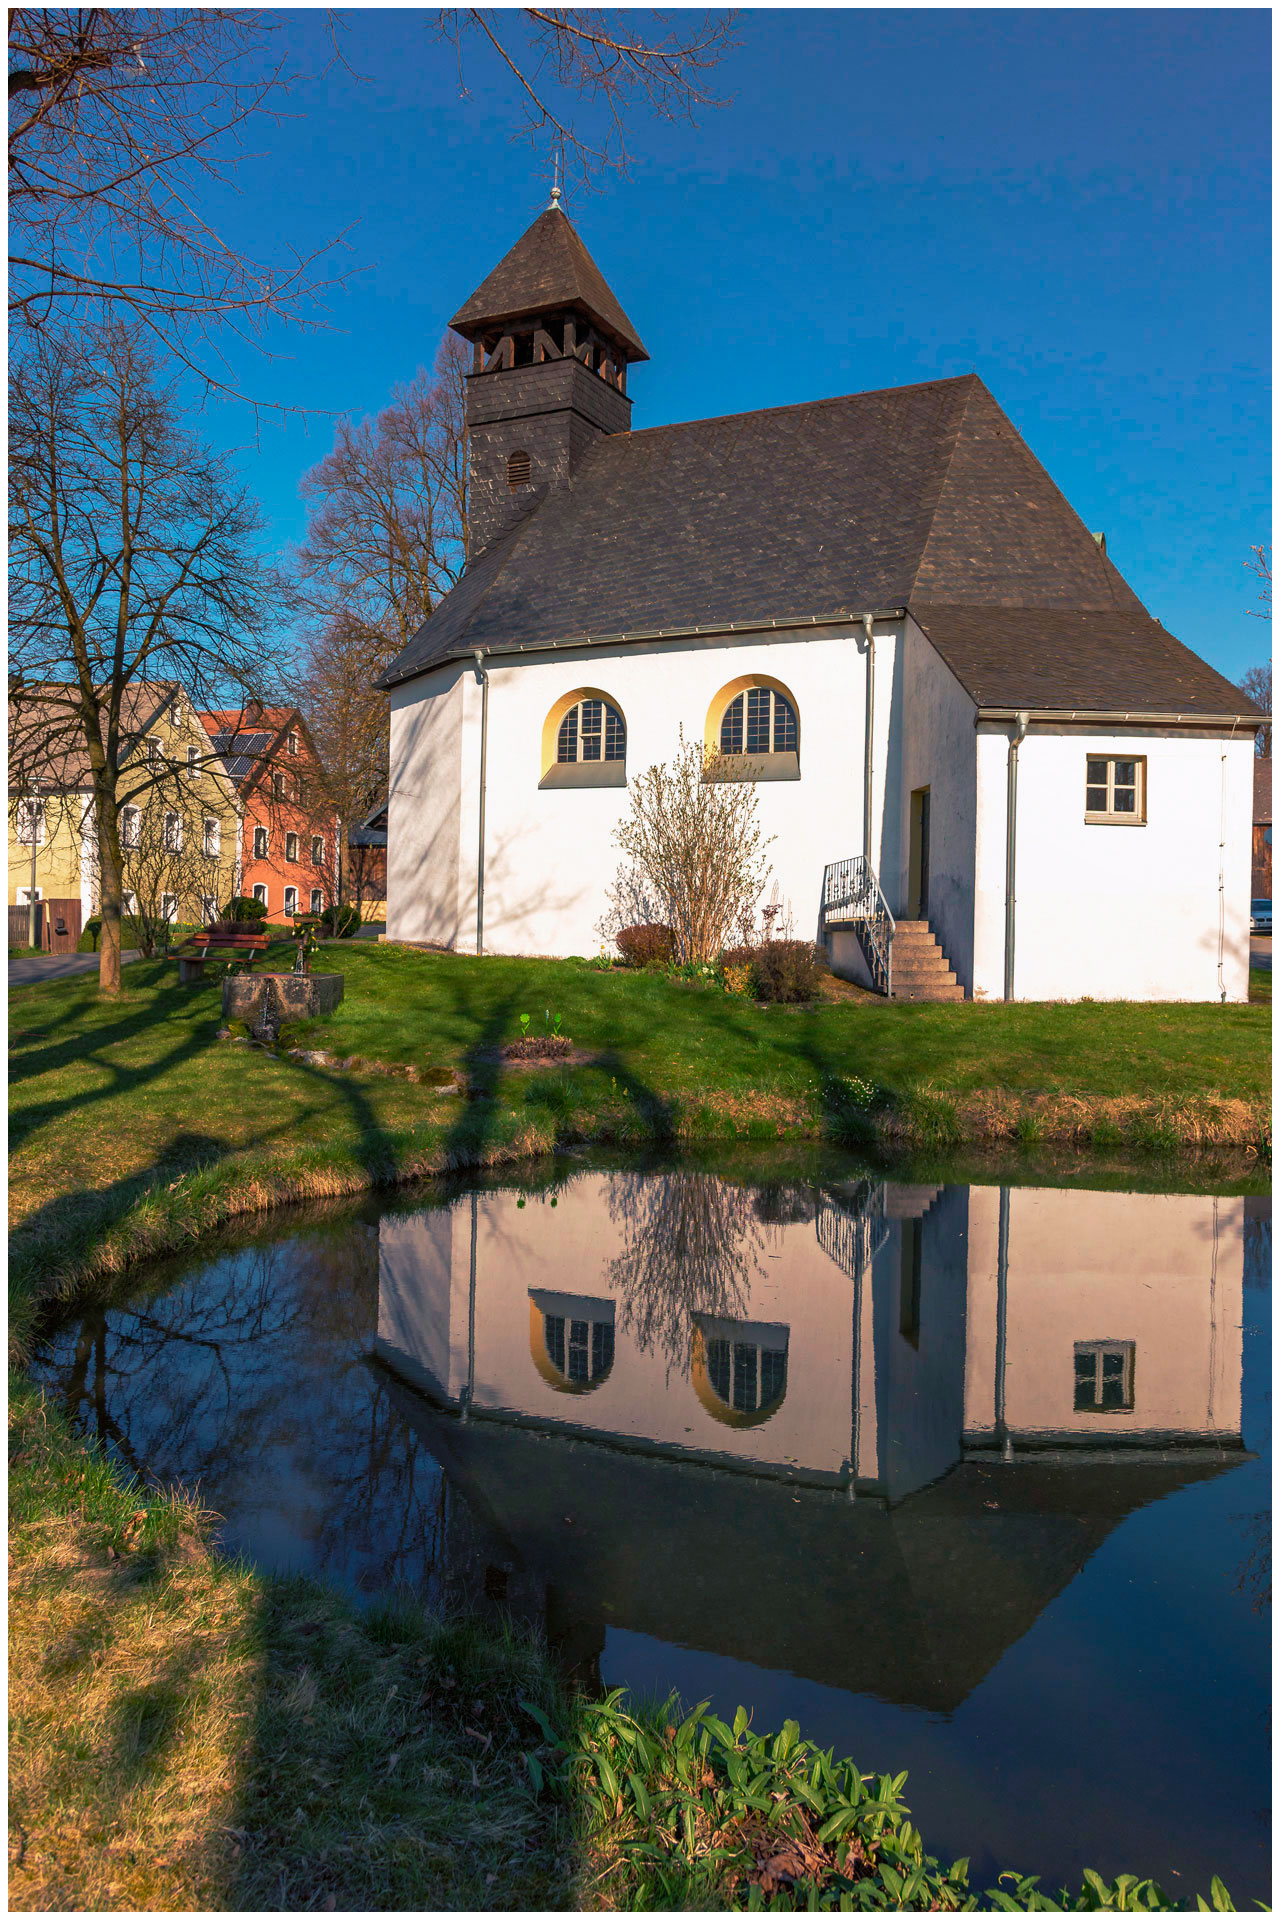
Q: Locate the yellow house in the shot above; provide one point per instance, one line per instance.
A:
(179, 813)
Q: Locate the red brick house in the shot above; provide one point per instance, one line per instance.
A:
(290, 846)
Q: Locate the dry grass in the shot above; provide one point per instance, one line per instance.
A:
(185, 1735)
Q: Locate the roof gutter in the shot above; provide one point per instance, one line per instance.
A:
(708, 630)
(1115, 716)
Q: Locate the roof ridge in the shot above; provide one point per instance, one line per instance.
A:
(791, 406)
(971, 377)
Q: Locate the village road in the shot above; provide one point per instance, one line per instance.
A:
(32, 967)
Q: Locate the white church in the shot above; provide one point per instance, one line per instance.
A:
(988, 772)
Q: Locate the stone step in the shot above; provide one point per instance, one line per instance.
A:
(930, 992)
(921, 970)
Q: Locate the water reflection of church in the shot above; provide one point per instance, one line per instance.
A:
(923, 1408)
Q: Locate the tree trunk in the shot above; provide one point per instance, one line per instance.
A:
(110, 887)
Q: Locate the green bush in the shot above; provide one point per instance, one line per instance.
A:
(130, 934)
(243, 908)
(340, 922)
(647, 945)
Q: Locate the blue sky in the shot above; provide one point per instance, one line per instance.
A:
(1075, 204)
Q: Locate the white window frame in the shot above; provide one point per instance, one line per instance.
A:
(31, 811)
(1108, 816)
(194, 768)
(169, 908)
(130, 826)
(27, 894)
(317, 859)
(291, 910)
(128, 901)
(208, 906)
(153, 751)
(172, 831)
(265, 852)
(292, 742)
(212, 837)
(317, 899)
(291, 840)
(277, 787)
(260, 893)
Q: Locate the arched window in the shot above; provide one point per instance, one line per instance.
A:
(753, 729)
(759, 720)
(593, 730)
(739, 1369)
(584, 742)
(571, 1339)
(519, 469)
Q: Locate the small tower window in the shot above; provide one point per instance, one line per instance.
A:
(519, 469)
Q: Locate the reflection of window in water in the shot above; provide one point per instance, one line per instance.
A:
(1104, 1376)
(571, 1339)
(746, 1378)
(582, 1350)
(909, 1282)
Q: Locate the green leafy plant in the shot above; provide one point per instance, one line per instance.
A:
(524, 1026)
(244, 908)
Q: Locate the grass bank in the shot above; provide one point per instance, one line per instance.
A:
(188, 1735)
(134, 1130)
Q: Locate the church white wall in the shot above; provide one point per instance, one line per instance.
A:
(939, 751)
(1116, 912)
(549, 855)
(425, 809)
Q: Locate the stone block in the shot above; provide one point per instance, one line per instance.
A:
(269, 999)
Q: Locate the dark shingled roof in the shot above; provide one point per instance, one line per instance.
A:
(547, 267)
(924, 497)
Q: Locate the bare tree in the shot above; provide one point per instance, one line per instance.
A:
(134, 561)
(1260, 567)
(386, 539)
(694, 851)
(693, 1245)
(119, 118)
(605, 61)
(1256, 682)
(173, 866)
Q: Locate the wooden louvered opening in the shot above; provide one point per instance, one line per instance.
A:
(519, 469)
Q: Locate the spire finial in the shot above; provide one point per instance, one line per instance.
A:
(555, 185)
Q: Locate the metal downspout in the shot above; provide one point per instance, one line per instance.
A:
(869, 744)
(483, 678)
(1011, 851)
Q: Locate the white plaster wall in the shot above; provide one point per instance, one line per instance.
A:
(424, 810)
(939, 751)
(1116, 912)
(1165, 1271)
(549, 855)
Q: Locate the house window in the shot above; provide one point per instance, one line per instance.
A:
(260, 893)
(291, 846)
(1104, 1376)
(277, 786)
(759, 720)
(212, 838)
(1116, 791)
(169, 907)
(593, 730)
(208, 907)
(27, 894)
(317, 900)
(130, 826)
(317, 850)
(173, 833)
(193, 763)
(259, 843)
(153, 753)
(30, 823)
(129, 902)
(290, 902)
(292, 743)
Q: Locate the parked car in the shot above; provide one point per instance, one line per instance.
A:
(1260, 916)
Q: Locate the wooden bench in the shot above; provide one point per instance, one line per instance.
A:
(238, 942)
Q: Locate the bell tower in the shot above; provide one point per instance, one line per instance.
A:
(550, 351)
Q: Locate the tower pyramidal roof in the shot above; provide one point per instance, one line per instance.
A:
(548, 267)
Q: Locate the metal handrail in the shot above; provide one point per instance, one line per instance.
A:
(851, 892)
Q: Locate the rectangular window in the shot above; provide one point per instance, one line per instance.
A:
(1104, 1376)
(1116, 791)
(169, 907)
(277, 786)
(27, 894)
(193, 763)
(212, 838)
(291, 846)
(259, 843)
(208, 907)
(290, 901)
(317, 900)
(30, 823)
(130, 826)
(260, 893)
(173, 833)
(129, 902)
(317, 850)
(293, 743)
(153, 753)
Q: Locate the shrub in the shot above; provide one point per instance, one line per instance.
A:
(786, 970)
(340, 922)
(639, 946)
(243, 908)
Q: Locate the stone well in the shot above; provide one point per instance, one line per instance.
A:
(272, 998)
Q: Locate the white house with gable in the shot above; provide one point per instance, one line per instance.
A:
(987, 771)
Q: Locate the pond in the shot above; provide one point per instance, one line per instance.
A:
(967, 1479)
